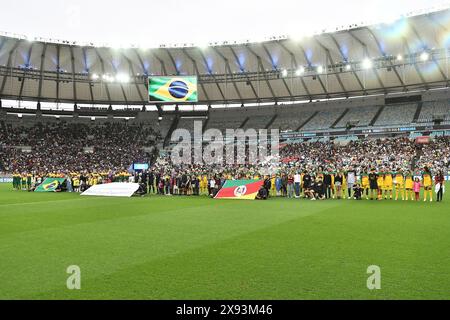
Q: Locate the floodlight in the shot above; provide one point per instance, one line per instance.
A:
(367, 63)
(123, 78)
(300, 71)
(424, 56)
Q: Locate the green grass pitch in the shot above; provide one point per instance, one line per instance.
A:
(198, 248)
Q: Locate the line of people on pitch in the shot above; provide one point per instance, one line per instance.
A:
(350, 185)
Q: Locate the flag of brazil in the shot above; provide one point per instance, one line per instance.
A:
(173, 89)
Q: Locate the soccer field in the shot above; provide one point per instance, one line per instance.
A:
(198, 248)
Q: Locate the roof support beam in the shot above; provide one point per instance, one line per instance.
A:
(121, 85)
(445, 29)
(294, 60)
(380, 49)
(173, 61)
(366, 52)
(284, 80)
(72, 63)
(161, 62)
(91, 93)
(261, 68)
(8, 65)
(228, 69)
(215, 80)
(305, 56)
(27, 63)
(102, 65)
(330, 60)
(58, 70)
(248, 79)
(41, 70)
(132, 71)
(422, 79)
(141, 62)
(194, 63)
(2, 44)
(424, 46)
(344, 58)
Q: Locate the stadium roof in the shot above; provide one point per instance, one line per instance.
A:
(408, 54)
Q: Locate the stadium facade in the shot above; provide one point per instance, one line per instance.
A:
(406, 55)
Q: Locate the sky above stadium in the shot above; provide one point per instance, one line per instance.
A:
(150, 22)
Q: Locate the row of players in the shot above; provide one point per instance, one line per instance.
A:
(315, 185)
(375, 185)
(28, 181)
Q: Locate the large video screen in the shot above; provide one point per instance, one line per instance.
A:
(173, 89)
(140, 166)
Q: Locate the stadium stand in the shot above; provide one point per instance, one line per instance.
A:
(324, 119)
(57, 146)
(397, 115)
(188, 123)
(433, 109)
(223, 119)
(291, 118)
(361, 116)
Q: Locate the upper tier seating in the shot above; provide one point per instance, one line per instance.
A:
(397, 114)
(432, 109)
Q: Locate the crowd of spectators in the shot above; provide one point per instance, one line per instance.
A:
(390, 154)
(330, 161)
(74, 147)
(101, 150)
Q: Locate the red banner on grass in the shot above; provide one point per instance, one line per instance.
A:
(240, 189)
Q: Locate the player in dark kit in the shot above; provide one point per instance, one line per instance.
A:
(306, 185)
(373, 181)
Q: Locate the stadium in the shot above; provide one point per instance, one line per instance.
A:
(301, 166)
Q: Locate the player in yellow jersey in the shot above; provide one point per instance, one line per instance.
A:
(205, 184)
(427, 184)
(399, 182)
(409, 184)
(76, 183)
(388, 185)
(333, 187)
(23, 182)
(273, 190)
(365, 184)
(344, 186)
(200, 183)
(380, 183)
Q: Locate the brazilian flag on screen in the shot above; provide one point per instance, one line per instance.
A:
(173, 89)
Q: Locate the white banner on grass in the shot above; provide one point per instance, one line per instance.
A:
(112, 190)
